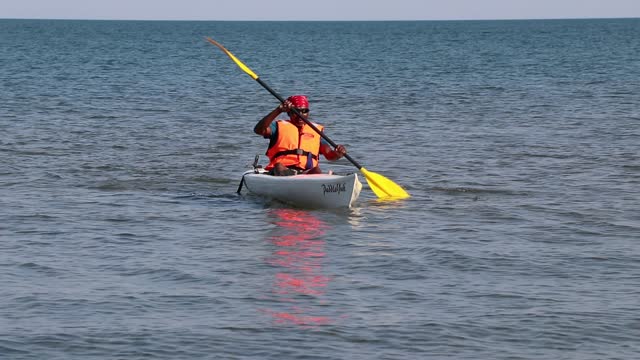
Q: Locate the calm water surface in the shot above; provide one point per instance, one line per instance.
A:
(122, 145)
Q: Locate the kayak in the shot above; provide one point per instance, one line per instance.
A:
(308, 191)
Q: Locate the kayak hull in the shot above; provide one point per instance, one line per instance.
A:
(308, 191)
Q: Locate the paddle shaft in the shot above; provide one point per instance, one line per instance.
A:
(295, 111)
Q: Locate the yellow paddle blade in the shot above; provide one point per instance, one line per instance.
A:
(240, 64)
(383, 187)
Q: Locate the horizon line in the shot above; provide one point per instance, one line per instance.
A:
(329, 20)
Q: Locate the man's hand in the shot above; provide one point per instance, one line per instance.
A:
(340, 150)
(285, 106)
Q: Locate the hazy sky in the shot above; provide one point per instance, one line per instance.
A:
(317, 9)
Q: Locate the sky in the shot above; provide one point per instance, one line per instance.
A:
(317, 9)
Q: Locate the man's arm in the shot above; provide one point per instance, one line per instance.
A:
(263, 127)
(331, 154)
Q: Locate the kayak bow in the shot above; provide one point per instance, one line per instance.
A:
(308, 191)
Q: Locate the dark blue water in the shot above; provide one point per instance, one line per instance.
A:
(122, 237)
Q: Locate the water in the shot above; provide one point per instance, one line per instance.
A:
(123, 143)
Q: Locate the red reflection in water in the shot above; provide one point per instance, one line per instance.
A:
(299, 319)
(299, 256)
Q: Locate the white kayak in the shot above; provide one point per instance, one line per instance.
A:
(308, 191)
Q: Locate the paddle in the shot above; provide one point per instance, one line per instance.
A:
(381, 186)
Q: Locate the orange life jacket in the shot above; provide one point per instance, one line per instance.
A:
(294, 147)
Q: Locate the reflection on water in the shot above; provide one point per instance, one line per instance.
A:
(298, 256)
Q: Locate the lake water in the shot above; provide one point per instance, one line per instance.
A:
(122, 236)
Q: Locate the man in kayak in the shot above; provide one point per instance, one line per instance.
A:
(294, 147)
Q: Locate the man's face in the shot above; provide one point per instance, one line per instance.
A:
(297, 121)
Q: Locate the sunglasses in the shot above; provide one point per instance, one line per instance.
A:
(303, 111)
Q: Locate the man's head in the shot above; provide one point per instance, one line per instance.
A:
(300, 103)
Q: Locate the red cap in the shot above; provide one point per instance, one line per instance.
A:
(299, 101)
